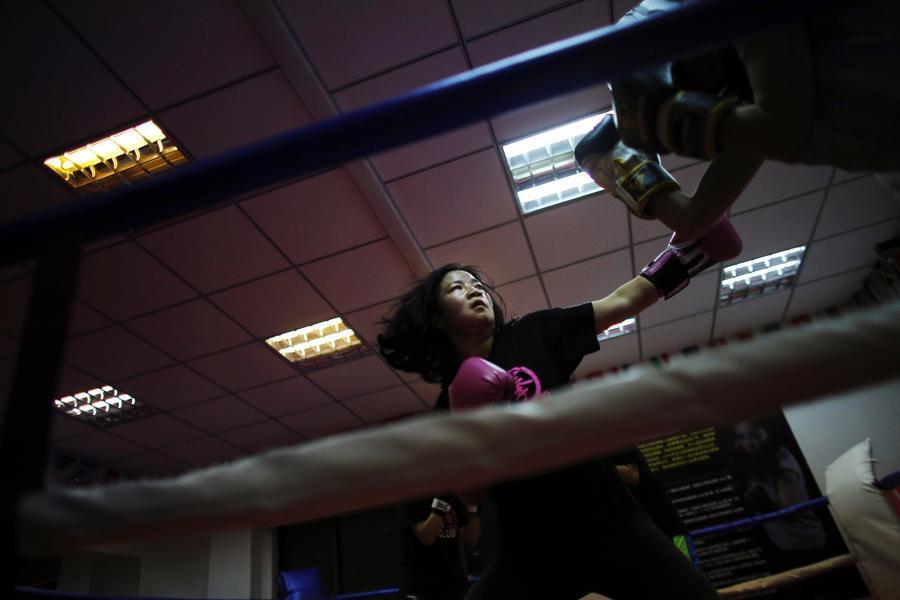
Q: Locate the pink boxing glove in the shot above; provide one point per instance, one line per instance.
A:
(671, 271)
(480, 383)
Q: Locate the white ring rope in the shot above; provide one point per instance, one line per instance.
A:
(771, 582)
(410, 459)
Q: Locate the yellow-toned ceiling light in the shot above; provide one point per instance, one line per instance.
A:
(101, 406)
(305, 345)
(122, 157)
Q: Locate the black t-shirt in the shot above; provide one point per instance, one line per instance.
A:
(573, 505)
(651, 494)
(435, 568)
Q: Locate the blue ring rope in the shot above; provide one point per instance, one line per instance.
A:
(770, 516)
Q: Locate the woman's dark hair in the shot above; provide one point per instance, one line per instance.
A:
(412, 341)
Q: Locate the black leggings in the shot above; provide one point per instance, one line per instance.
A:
(634, 561)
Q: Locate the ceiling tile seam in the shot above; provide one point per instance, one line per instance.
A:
(524, 19)
(681, 318)
(16, 164)
(834, 275)
(807, 192)
(385, 71)
(438, 164)
(256, 421)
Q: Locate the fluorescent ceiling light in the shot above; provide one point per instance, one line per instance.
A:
(305, 345)
(760, 276)
(543, 168)
(622, 328)
(101, 406)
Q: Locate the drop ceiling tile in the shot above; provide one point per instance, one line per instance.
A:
(502, 253)
(72, 380)
(620, 7)
(9, 156)
(828, 292)
(577, 230)
(200, 125)
(315, 217)
(413, 157)
(689, 176)
(362, 276)
(189, 330)
(203, 452)
(113, 353)
(673, 162)
(677, 335)
(42, 85)
(700, 295)
(438, 210)
(84, 319)
(63, 427)
(220, 414)
(27, 189)
(750, 314)
(623, 350)
(779, 227)
(427, 392)
(846, 252)
(261, 436)
(523, 297)
(386, 404)
(373, 37)
(355, 377)
(207, 44)
(551, 27)
(232, 250)
(14, 298)
(855, 204)
(365, 322)
(588, 280)
(648, 229)
(322, 421)
(534, 118)
(125, 281)
(157, 431)
(776, 181)
(170, 388)
(274, 304)
(840, 176)
(149, 464)
(244, 367)
(98, 445)
(476, 17)
(286, 397)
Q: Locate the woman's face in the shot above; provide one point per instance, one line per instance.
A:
(466, 305)
(750, 438)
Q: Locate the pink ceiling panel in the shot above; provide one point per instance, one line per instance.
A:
(502, 252)
(286, 397)
(14, 298)
(362, 276)
(189, 330)
(157, 431)
(226, 119)
(274, 304)
(551, 27)
(436, 149)
(825, 293)
(373, 36)
(9, 156)
(648, 229)
(42, 86)
(523, 297)
(29, 189)
(355, 377)
(778, 227)
(476, 17)
(215, 250)
(386, 404)
(777, 181)
(846, 252)
(531, 119)
(72, 380)
(203, 452)
(125, 281)
(207, 44)
(588, 280)
(455, 199)
(365, 322)
(577, 230)
(244, 367)
(220, 414)
(315, 217)
(261, 436)
(623, 350)
(856, 204)
(84, 319)
(149, 464)
(750, 314)
(98, 445)
(170, 388)
(322, 421)
(64, 427)
(114, 354)
(677, 335)
(427, 392)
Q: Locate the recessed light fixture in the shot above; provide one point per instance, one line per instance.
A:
(543, 167)
(317, 344)
(126, 156)
(622, 328)
(760, 276)
(102, 406)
